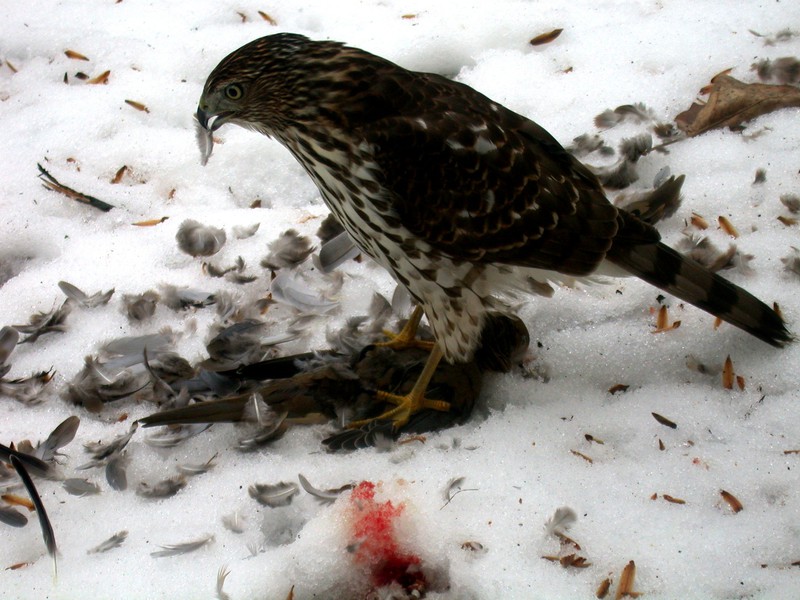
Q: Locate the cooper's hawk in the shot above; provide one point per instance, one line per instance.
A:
(461, 199)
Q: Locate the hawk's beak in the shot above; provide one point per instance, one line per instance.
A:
(213, 121)
(202, 118)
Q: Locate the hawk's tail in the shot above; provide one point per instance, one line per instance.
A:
(687, 279)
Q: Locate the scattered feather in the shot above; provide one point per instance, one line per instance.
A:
(176, 298)
(82, 299)
(632, 113)
(563, 518)
(26, 390)
(286, 288)
(166, 488)
(76, 486)
(222, 574)
(790, 201)
(205, 141)
(196, 239)
(233, 522)
(102, 452)
(115, 541)
(783, 70)
(242, 232)
(182, 548)
(11, 516)
(62, 435)
(47, 529)
(41, 323)
(116, 473)
(274, 495)
(197, 469)
(329, 228)
(139, 307)
(9, 337)
(335, 252)
(288, 251)
(453, 487)
(172, 436)
(324, 496)
(792, 262)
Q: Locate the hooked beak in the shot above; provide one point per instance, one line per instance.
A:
(212, 122)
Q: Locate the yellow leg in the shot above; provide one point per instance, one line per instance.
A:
(407, 338)
(415, 400)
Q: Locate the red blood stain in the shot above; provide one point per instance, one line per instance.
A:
(375, 546)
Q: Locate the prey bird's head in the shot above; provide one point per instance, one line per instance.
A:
(269, 85)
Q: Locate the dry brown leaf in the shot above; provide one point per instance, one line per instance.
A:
(75, 55)
(150, 222)
(618, 388)
(698, 221)
(673, 499)
(727, 374)
(100, 79)
(732, 103)
(664, 421)
(788, 221)
(791, 451)
(119, 174)
(137, 105)
(545, 38)
(662, 321)
(15, 500)
(727, 226)
(626, 582)
(267, 18)
(12, 67)
(732, 501)
(602, 589)
(583, 456)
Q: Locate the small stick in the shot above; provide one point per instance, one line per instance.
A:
(52, 183)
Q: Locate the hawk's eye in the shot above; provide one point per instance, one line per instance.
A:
(234, 91)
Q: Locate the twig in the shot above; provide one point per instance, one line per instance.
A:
(52, 183)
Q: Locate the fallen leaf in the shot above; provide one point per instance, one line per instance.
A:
(100, 79)
(732, 501)
(732, 103)
(75, 55)
(545, 38)
(267, 18)
(137, 105)
(727, 374)
(119, 174)
(150, 222)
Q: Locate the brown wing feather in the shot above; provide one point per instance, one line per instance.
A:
(490, 185)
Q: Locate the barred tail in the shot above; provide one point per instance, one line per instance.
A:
(685, 278)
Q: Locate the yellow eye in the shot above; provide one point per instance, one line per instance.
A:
(234, 91)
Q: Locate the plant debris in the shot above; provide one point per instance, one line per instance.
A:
(52, 183)
(732, 103)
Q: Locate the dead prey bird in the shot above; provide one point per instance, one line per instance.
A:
(342, 386)
(463, 200)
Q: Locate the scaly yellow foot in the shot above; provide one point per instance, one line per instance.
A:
(412, 402)
(407, 337)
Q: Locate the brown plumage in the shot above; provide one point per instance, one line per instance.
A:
(461, 199)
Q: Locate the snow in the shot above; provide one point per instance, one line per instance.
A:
(516, 451)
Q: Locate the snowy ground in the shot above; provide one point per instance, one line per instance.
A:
(518, 460)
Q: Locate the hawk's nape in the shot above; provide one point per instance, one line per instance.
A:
(461, 199)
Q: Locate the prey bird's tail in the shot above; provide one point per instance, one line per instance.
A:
(687, 279)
